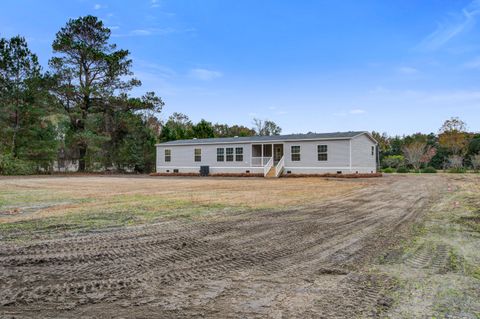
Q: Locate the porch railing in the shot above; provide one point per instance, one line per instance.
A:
(260, 161)
(268, 166)
(280, 166)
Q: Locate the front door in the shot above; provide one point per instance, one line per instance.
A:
(277, 153)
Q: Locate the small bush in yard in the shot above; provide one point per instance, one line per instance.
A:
(455, 162)
(393, 161)
(457, 170)
(402, 170)
(14, 166)
(429, 169)
(388, 170)
(475, 160)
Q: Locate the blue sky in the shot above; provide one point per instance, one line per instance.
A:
(392, 66)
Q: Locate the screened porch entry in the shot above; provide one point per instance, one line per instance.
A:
(262, 153)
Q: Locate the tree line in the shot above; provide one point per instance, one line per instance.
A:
(179, 126)
(80, 109)
(453, 148)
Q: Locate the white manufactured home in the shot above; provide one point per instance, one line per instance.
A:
(338, 153)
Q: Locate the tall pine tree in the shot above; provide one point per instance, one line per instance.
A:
(27, 133)
(93, 81)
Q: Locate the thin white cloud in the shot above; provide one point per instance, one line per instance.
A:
(459, 96)
(357, 111)
(99, 6)
(447, 30)
(204, 74)
(452, 100)
(146, 32)
(406, 70)
(351, 112)
(154, 3)
(379, 89)
(153, 81)
(276, 110)
(140, 32)
(154, 68)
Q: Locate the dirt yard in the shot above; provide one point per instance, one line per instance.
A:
(116, 247)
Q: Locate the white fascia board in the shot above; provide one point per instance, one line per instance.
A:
(261, 142)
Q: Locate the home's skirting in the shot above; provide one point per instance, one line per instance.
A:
(258, 170)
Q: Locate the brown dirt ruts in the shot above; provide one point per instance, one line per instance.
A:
(307, 263)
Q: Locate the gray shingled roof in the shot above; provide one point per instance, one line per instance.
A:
(256, 139)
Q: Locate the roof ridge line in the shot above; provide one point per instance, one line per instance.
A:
(248, 139)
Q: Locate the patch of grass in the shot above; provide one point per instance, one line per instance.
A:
(448, 224)
(454, 261)
(116, 213)
(472, 222)
(476, 273)
(472, 218)
(33, 197)
(458, 170)
(53, 196)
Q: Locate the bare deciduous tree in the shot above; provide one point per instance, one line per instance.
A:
(415, 153)
(455, 161)
(453, 124)
(266, 128)
(430, 152)
(453, 136)
(475, 159)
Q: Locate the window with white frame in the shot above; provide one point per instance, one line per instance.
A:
(239, 154)
(198, 155)
(322, 151)
(295, 152)
(373, 150)
(220, 154)
(229, 154)
(168, 155)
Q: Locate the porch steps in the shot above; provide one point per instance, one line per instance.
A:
(271, 173)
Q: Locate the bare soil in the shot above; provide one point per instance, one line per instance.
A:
(310, 262)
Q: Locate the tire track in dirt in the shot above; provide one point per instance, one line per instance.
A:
(129, 265)
(433, 257)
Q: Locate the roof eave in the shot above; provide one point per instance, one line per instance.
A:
(369, 135)
(261, 142)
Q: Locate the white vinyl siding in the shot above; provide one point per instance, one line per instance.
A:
(362, 147)
(338, 154)
(339, 157)
(182, 156)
